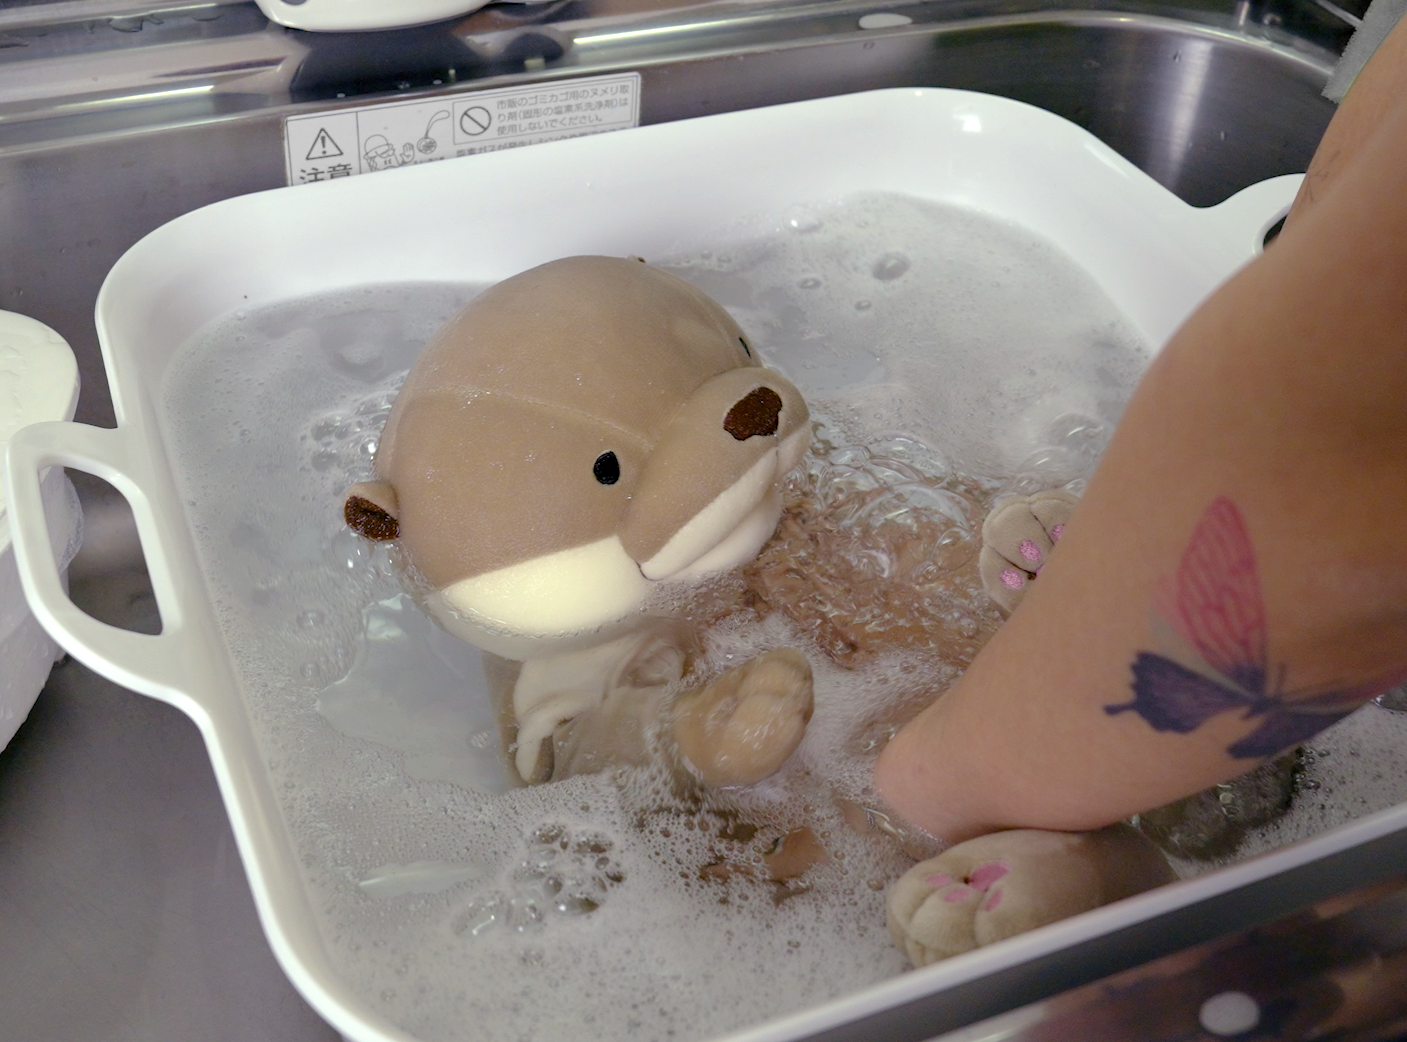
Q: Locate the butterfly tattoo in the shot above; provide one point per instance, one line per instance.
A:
(1214, 604)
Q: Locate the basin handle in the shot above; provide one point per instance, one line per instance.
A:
(169, 665)
(1253, 211)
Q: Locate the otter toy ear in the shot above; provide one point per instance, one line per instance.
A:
(371, 510)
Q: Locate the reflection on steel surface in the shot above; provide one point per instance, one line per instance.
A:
(1334, 971)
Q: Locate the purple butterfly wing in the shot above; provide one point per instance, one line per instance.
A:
(1173, 698)
(1215, 600)
(1282, 729)
(1298, 717)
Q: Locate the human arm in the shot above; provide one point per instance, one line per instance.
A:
(1285, 396)
(1382, 81)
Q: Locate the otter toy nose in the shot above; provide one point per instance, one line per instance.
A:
(755, 413)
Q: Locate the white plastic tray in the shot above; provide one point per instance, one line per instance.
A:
(656, 191)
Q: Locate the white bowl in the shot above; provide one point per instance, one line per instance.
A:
(337, 16)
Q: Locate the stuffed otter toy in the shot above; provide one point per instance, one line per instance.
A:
(592, 432)
(578, 437)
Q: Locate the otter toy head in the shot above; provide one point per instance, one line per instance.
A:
(576, 434)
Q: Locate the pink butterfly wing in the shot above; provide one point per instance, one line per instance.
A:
(1215, 600)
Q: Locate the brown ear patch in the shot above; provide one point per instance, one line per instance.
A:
(756, 413)
(366, 518)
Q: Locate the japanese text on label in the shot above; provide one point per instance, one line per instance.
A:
(343, 142)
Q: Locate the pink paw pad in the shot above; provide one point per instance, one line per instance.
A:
(983, 876)
(1056, 532)
(977, 883)
(1012, 579)
(1029, 550)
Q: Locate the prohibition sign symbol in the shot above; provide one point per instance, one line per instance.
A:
(474, 121)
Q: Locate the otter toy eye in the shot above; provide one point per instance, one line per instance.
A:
(606, 468)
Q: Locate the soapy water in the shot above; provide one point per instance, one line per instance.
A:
(877, 551)
(960, 331)
(948, 359)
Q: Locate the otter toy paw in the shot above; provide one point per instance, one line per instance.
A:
(1017, 538)
(999, 885)
(742, 727)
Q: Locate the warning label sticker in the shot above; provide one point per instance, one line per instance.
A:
(344, 142)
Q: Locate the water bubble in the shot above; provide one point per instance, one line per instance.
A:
(953, 536)
(592, 845)
(850, 456)
(480, 915)
(942, 502)
(327, 428)
(349, 551)
(575, 904)
(1394, 700)
(524, 914)
(809, 282)
(890, 266)
(863, 305)
(549, 833)
(895, 471)
(1077, 431)
(359, 354)
(802, 219)
(914, 452)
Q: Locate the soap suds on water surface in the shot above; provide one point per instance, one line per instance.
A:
(965, 332)
(948, 359)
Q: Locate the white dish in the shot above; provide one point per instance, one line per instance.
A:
(658, 191)
(357, 15)
(38, 381)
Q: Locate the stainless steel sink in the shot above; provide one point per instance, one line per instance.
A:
(123, 911)
(109, 127)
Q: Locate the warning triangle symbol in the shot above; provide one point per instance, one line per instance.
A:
(323, 146)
